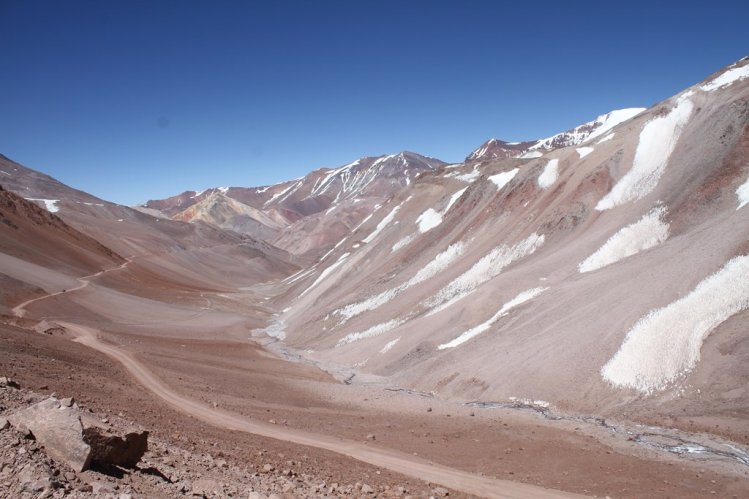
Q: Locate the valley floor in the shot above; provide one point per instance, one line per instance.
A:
(211, 389)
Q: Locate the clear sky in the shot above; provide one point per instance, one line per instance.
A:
(134, 100)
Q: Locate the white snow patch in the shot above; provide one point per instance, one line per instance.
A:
(383, 223)
(743, 194)
(453, 199)
(5, 173)
(665, 344)
(613, 119)
(49, 204)
(606, 138)
(729, 77)
(276, 329)
(389, 345)
(531, 402)
(469, 177)
(531, 155)
(502, 179)
(277, 195)
(485, 269)
(325, 273)
(549, 175)
(429, 220)
(402, 243)
(646, 233)
(584, 151)
(223, 190)
(439, 264)
(657, 140)
(484, 326)
(371, 332)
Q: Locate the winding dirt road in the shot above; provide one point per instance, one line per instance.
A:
(20, 310)
(399, 462)
(385, 458)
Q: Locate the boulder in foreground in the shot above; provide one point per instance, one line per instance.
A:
(58, 429)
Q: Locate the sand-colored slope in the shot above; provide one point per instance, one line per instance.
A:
(393, 460)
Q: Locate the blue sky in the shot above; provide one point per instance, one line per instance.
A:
(133, 100)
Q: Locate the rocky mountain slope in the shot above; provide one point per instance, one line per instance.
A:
(193, 254)
(601, 276)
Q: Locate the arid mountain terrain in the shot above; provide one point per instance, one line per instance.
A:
(548, 318)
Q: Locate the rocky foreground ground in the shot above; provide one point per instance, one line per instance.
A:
(56, 461)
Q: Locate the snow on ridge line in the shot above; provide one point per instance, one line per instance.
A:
(389, 345)
(325, 273)
(373, 331)
(484, 326)
(665, 344)
(487, 268)
(613, 119)
(658, 139)
(502, 179)
(584, 151)
(606, 138)
(549, 175)
(728, 78)
(49, 204)
(440, 263)
(743, 194)
(646, 233)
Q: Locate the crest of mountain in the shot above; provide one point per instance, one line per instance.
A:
(268, 212)
(498, 149)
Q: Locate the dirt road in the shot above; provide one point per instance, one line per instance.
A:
(20, 310)
(385, 458)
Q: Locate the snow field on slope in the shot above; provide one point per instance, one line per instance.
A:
(373, 331)
(429, 220)
(665, 344)
(584, 151)
(389, 345)
(49, 204)
(484, 326)
(549, 175)
(485, 269)
(501, 179)
(727, 78)
(743, 194)
(531, 155)
(440, 263)
(383, 223)
(453, 199)
(646, 233)
(657, 140)
(325, 273)
(469, 177)
(606, 138)
(402, 243)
